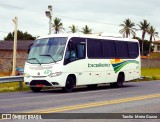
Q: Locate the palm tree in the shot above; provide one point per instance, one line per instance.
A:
(144, 27)
(73, 28)
(86, 30)
(57, 25)
(127, 29)
(153, 34)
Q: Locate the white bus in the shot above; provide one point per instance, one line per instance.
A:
(68, 60)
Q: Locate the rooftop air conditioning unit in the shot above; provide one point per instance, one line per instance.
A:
(111, 35)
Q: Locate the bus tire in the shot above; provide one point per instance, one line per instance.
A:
(119, 82)
(69, 85)
(93, 86)
(36, 89)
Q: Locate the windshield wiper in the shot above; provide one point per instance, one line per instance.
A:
(34, 59)
(49, 56)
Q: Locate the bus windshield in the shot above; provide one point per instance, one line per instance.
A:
(47, 50)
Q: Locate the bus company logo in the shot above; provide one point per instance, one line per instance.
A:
(40, 67)
(118, 64)
(98, 65)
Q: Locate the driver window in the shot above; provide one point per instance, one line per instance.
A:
(75, 50)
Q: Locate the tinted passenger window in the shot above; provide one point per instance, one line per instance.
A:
(109, 49)
(122, 49)
(133, 49)
(94, 48)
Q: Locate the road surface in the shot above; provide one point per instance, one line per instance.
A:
(134, 97)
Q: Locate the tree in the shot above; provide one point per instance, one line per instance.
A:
(10, 36)
(152, 32)
(86, 30)
(144, 27)
(57, 25)
(20, 36)
(73, 28)
(127, 29)
(146, 45)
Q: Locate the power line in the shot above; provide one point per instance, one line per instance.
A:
(89, 20)
(80, 19)
(3, 32)
(15, 7)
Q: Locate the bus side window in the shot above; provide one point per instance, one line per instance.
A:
(73, 55)
(74, 51)
(80, 51)
(70, 54)
(67, 54)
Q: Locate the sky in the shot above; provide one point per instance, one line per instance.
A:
(99, 15)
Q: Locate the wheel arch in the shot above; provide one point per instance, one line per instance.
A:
(121, 74)
(74, 78)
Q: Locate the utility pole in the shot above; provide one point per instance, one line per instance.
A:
(15, 20)
(49, 15)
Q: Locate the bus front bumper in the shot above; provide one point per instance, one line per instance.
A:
(45, 81)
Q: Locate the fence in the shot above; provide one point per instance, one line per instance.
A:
(10, 79)
(150, 63)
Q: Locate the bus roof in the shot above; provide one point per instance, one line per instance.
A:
(95, 36)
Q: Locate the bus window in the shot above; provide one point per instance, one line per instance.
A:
(94, 49)
(109, 49)
(122, 49)
(67, 54)
(75, 50)
(80, 51)
(133, 49)
(70, 55)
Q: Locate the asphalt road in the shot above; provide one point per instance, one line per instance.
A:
(134, 97)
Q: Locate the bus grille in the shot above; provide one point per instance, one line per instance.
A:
(44, 82)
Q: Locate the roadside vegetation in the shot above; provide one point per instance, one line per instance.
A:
(12, 87)
(151, 73)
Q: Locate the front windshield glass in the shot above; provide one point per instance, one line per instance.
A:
(47, 50)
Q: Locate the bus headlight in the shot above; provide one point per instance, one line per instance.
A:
(55, 74)
(26, 75)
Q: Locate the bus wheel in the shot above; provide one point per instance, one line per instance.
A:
(36, 89)
(93, 86)
(119, 82)
(69, 85)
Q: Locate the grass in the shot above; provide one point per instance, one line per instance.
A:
(12, 87)
(148, 73)
(152, 73)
